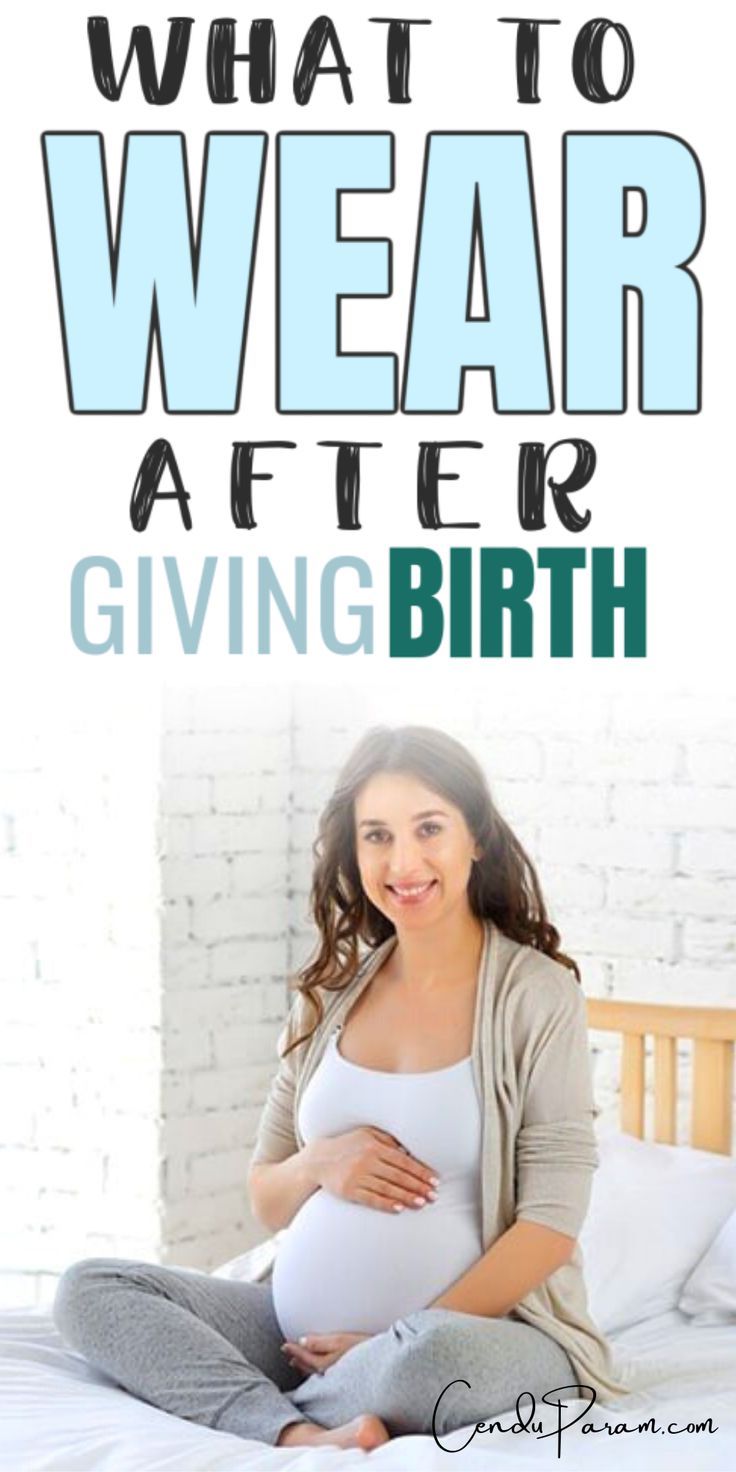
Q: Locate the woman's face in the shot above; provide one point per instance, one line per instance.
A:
(414, 850)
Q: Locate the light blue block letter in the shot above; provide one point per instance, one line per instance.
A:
(112, 293)
(317, 267)
(477, 203)
(602, 260)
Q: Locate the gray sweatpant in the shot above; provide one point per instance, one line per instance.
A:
(209, 1350)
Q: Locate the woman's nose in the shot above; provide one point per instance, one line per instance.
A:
(405, 855)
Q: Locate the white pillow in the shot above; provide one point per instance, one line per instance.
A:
(249, 1266)
(710, 1291)
(654, 1212)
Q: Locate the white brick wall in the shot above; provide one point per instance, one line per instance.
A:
(153, 905)
(79, 991)
(224, 831)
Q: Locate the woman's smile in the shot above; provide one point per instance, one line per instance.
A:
(411, 895)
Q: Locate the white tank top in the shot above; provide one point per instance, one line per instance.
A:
(346, 1267)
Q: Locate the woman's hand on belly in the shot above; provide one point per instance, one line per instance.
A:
(316, 1352)
(370, 1167)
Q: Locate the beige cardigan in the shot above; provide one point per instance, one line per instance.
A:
(531, 1067)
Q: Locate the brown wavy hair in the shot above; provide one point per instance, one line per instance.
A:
(503, 885)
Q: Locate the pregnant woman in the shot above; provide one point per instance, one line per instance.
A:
(427, 1144)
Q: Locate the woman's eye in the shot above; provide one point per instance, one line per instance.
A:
(376, 835)
(429, 829)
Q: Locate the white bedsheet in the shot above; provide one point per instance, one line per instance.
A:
(58, 1415)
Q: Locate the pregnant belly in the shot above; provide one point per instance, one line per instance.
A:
(351, 1268)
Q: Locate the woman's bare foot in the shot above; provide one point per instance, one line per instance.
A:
(366, 1432)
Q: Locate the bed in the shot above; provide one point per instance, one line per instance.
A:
(661, 1278)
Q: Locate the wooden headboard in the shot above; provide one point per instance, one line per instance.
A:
(713, 1031)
